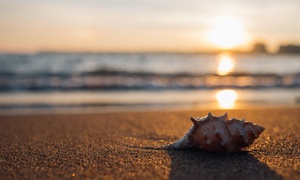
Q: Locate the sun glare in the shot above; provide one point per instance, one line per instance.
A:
(226, 64)
(226, 98)
(227, 32)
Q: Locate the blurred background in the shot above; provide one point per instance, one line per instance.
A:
(120, 55)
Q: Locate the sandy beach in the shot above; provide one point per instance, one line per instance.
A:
(125, 145)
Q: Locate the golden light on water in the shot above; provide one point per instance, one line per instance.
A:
(226, 98)
(226, 32)
(226, 64)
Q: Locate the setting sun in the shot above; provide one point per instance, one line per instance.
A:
(226, 32)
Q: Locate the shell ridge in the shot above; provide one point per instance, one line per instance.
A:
(229, 135)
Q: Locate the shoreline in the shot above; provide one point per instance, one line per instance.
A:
(104, 109)
(60, 102)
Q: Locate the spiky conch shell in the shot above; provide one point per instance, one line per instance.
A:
(218, 134)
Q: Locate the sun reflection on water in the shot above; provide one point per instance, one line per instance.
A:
(226, 64)
(226, 98)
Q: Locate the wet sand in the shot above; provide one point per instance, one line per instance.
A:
(124, 146)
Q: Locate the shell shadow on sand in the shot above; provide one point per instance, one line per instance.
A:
(199, 164)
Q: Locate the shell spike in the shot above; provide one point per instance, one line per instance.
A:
(225, 116)
(194, 120)
(210, 116)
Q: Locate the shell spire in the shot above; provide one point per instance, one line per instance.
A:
(218, 134)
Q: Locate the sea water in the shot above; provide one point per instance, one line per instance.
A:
(122, 80)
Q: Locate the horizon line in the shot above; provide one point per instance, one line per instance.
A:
(283, 49)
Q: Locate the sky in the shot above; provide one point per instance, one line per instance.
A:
(146, 25)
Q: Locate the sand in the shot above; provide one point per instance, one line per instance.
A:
(124, 146)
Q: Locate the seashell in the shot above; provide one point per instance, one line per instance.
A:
(218, 134)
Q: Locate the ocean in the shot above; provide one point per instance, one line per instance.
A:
(120, 81)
